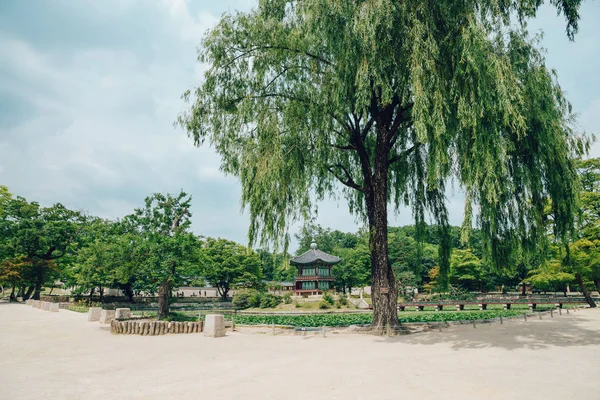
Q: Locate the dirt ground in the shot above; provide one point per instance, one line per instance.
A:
(62, 356)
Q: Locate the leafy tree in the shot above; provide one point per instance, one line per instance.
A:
(353, 270)
(95, 267)
(227, 264)
(274, 266)
(466, 270)
(166, 249)
(390, 99)
(40, 236)
(408, 255)
(326, 239)
(406, 279)
(550, 276)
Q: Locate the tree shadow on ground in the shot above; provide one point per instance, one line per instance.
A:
(564, 331)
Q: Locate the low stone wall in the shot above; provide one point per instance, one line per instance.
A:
(153, 328)
(55, 298)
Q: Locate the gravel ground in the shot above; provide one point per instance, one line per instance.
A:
(62, 356)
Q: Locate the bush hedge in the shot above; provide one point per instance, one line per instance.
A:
(252, 298)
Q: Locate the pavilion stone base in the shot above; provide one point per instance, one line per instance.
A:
(122, 313)
(54, 307)
(214, 326)
(106, 316)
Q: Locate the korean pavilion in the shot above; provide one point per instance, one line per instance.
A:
(314, 271)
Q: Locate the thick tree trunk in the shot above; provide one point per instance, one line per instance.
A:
(38, 285)
(597, 284)
(164, 294)
(91, 294)
(384, 292)
(223, 291)
(584, 290)
(128, 292)
(12, 293)
(101, 294)
(28, 293)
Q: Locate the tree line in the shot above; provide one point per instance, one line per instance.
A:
(150, 251)
(153, 250)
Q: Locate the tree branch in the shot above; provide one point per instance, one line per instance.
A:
(401, 155)
(398, 120)
(298, 51)
(348, 181)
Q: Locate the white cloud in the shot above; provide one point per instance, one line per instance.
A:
(192, 27)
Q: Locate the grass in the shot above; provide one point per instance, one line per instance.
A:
(78, 308)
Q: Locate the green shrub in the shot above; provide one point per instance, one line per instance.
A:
(268, 300)
(287, 298)
(297, 305)
(343, 301)
(328, 298)
(246, 298)
(324, 305)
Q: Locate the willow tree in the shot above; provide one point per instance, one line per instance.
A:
(394, 100)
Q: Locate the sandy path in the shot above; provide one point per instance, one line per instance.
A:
(61, 356)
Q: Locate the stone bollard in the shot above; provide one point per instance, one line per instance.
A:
(106, 316)
(214, 326)
(46, 306)
(122, 313)
(54, 307)
(94, 314)
(36, 303)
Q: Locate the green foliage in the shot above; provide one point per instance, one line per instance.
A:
(36, 243)
(245, 299)
(466, 270)
(317, 320)
(167, 250)
(328, 298)
(268, 300)
(251, 298)
(390, 101)
(324, 305)
(550, 276)
(343, 301)
(226, 263)
(287, 298)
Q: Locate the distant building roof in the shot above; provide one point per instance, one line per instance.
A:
(315, 256)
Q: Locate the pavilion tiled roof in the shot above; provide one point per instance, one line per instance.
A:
(315, 256)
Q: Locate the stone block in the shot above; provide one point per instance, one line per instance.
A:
(106, 316)
(53, 307)
(122, 313)
(94, 314)
(46, 306)
(214, 325)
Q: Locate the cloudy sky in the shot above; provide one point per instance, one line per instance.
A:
(89, 90)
